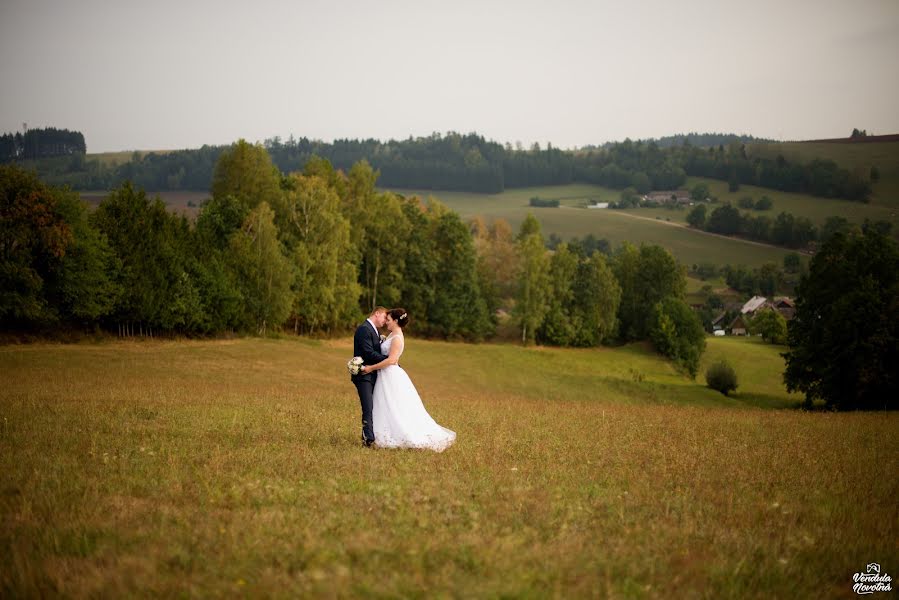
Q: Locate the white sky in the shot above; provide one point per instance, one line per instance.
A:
(179, 73)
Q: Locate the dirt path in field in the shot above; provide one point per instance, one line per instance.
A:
(700, 231)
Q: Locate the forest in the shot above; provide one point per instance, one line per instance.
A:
(469, 162)
(41, 143)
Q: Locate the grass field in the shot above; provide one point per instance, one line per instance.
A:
(855, 157)
(653, 225)
(801, 205)
(688, 246)
(231, 468)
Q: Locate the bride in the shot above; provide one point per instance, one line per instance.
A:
(399, 418)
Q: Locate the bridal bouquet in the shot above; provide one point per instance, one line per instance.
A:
(354, 365)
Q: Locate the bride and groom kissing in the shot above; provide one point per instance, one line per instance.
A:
(393, 415)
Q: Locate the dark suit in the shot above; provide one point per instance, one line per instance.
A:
(367, 344)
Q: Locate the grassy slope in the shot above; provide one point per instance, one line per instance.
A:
(815, 209)
(861, 157)
(688, 246)
(231, 467)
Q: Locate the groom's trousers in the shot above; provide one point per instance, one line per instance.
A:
(366, 389)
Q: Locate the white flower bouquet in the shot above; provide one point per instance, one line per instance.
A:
(354, 365)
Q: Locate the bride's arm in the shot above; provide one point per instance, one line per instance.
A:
(395, 348)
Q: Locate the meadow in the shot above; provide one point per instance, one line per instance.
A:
(232, 468)
(640, 225)
(656, 225)
(817, 210)
(858, 157)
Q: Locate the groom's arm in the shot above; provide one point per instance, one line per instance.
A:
(395, 350)
(370, 354)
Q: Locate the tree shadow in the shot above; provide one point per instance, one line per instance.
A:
(766, 400)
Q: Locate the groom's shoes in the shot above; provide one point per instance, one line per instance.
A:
(367, 443)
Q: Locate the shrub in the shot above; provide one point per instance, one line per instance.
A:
(764, 203)
(722, 377)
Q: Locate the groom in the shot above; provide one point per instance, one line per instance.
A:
(367, 344)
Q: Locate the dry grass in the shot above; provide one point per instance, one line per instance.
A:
(232, 468)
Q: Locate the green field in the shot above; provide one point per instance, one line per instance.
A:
(858, 157)
(687, 245)
(817, 210)
(232, 468)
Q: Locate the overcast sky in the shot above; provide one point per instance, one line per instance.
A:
(180, 74)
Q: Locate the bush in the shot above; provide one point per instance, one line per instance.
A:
(764, 203)
(697, 216)
(722, 377)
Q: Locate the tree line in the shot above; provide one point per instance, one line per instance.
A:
(783, 230)
(471, 163)
(40, 143)
(582, 293)
(310, 252)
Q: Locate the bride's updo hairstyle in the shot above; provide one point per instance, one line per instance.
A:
(399, 315)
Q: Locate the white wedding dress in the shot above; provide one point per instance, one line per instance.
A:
(399, 418)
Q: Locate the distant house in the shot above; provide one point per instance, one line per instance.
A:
(784, 306)
(738, 326)
(753, 304)
(599, 205)
(718, 323)
(669, 197)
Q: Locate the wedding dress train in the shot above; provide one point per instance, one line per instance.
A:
(399, 417)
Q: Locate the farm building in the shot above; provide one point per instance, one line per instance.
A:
(718, 322)
(781, 304)
(738, 326)
(753, 304)
(784, 306)
(669, 197)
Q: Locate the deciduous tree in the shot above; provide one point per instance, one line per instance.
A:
(533, 279)
(844, 337)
